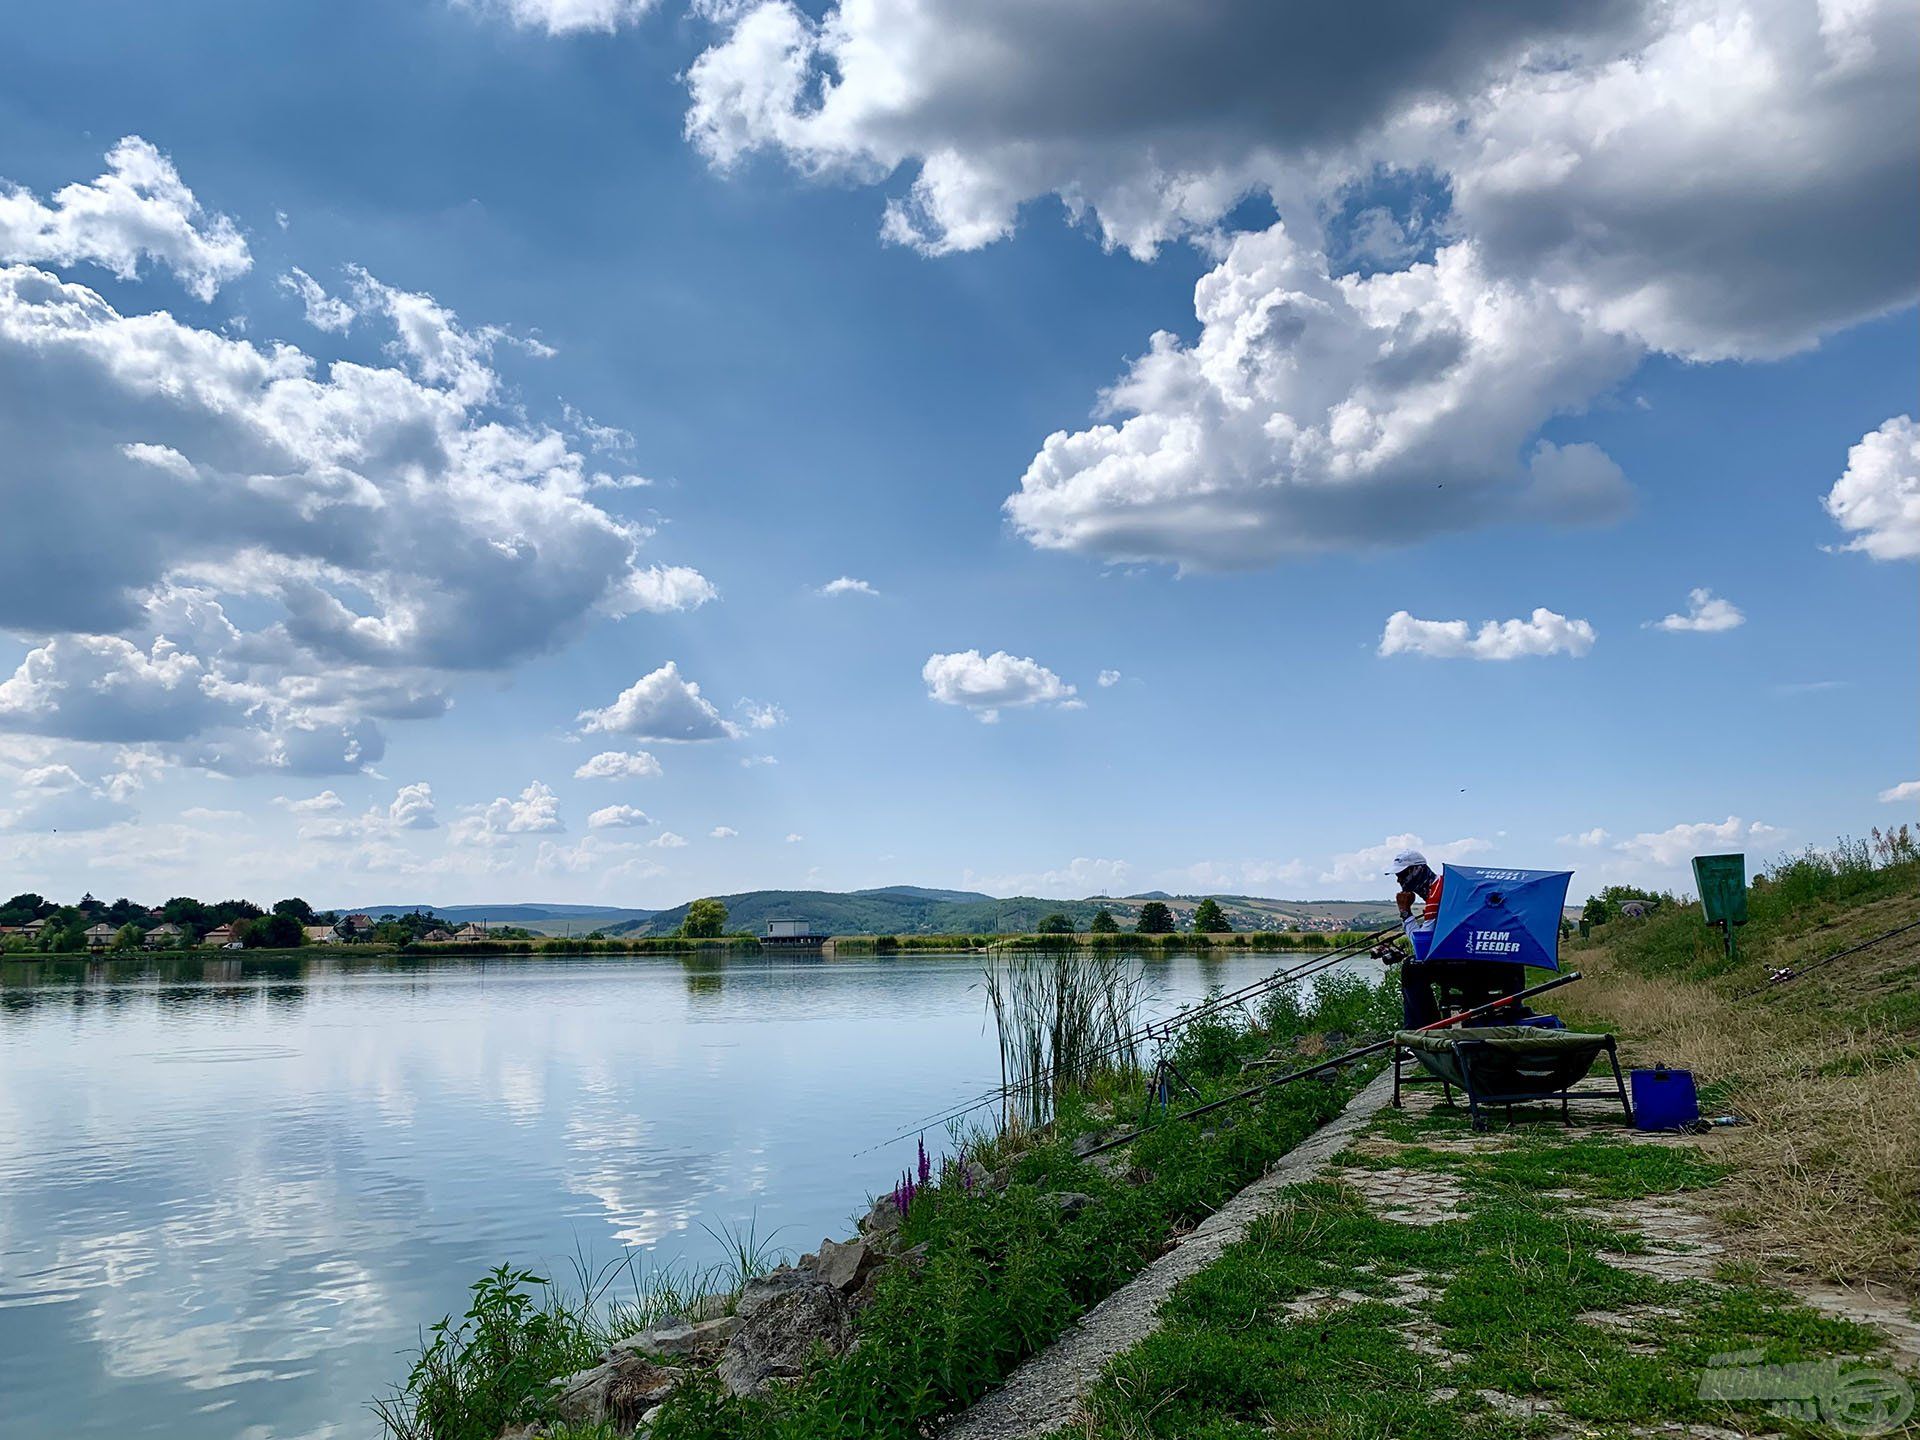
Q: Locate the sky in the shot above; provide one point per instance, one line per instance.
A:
(613, 451)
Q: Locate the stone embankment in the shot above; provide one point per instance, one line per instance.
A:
(759, 1338)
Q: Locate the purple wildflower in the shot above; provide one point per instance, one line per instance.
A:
(926, 1165)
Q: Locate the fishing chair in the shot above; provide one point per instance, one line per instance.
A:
(1508, 1065)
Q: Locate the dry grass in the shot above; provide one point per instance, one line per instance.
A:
(1826, 1069)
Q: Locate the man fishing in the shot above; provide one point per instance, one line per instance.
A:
(1419, 906)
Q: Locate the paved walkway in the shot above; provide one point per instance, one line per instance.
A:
(1045, 1393)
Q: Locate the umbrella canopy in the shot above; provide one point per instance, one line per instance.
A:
(1502, 915)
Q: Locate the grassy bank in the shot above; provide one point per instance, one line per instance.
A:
(1125, 941)
(1587, 1281)
(1005, 1266)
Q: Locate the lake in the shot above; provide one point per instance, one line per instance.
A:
(228, 1203)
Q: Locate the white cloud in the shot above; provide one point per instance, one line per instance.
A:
(1603, 181)
(847, 585)
(1905, 790)
(321, 804)
(1084, 875)
(1680, 843)
(756, 716)
(139, 209)
(618, 817)
(1368, 867)
(722, 832)
(378, 530)
(667, 840)
(1546, 633)
(413, 808)
(535, 810)
(794, 838)
(619, 765)
(1878, 498)
(566, 17)
(1586, 839)
(324, 311)
(988, 684)
(660, 706)
(1706, 614)
(49, 798)
(596, 855)
(1109, 678)
(1319, 412)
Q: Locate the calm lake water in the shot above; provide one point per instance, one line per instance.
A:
(228, 1202)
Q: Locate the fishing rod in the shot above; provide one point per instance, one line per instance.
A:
(1789, 972)
(1156, 1029)
(1339, 1060)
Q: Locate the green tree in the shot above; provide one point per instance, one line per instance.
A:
(1104, 923)
(1155, 919)
(187, 912)
(299, 909)
(22, 908)
(706, 920)
(1055, 924)
(1595, 912)
(128, 937)
(274, 932)
(1210, 919)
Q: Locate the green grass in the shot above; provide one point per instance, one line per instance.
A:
(1004, 1270)
(1510, 1279)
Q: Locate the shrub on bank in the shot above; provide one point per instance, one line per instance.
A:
(1005, 1266)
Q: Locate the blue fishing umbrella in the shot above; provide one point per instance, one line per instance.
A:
(1500, 915)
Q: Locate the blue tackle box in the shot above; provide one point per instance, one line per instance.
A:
(1663, 1099)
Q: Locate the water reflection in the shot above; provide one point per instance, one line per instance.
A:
(232, 1189)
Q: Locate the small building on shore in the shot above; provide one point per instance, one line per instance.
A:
(100, 937)
(793, 935)
(166, 936)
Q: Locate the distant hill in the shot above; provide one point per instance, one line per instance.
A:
(909, 909)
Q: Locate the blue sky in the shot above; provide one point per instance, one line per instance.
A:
(1511, 319)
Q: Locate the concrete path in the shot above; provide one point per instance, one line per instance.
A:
(1045, 1393)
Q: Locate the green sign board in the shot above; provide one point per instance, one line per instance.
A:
(1723, 891)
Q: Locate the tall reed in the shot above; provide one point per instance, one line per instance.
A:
(1064, 1017)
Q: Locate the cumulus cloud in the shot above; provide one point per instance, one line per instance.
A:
(1878, 498)
(722, 832)
(1109, 678)
(140, 209)
(1369, 864)
(1905, 790)
(988, 684)
(1682, 842)
(847, 585)
(1546, 633)
(756, 716)
(321, 804)
(413, 808)
(1318, 411)
(618, 817)
(1603, 182)
(1083, 875)
(667, 840)
(661, 706)
(596, 855)
(381, 527)
(794, 838)
(1706, 614)
(535, 810)
(48, 798)
(619, 765)
(1586, 839)
(566, 17)
(324, 311)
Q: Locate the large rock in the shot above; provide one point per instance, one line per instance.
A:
(783, 1330)
(771, 1286)
(1070, 1202)
(618, 1392)
(845, 1265)
(676, 1339)
(882, 1221)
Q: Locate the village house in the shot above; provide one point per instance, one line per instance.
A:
(439, 935)
(34, 928)
(354, 927)
(100, 937)
(166, 936)
(469, 931)
(319, 935)
(219, 936)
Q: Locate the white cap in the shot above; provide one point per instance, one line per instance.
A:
(1406, 860)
